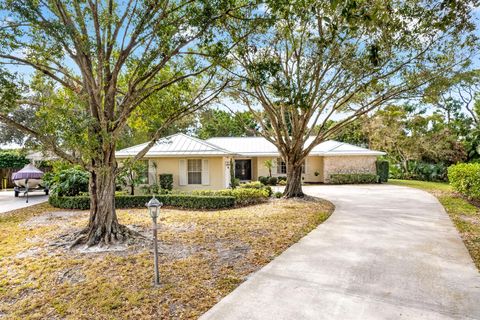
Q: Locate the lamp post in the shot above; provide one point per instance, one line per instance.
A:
(153, 209)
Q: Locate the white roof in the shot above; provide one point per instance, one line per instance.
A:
(183, 145)
(259, 146)
(175, 145)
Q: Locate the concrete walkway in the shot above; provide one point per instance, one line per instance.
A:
(8, 202)
(387, 252)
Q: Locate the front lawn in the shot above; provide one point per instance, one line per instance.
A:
(464, 214)
(203, 256)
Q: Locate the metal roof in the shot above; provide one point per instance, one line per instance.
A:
(259, 146)
(183, 145)
(176, 145)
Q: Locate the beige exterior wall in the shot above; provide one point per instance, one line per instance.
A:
(216, 172)
(348, 164)
(219, 174)
(314, 164)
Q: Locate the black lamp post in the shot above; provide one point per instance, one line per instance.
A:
(154, 209)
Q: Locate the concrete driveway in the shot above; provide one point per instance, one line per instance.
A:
(387, 252)
(8, 202)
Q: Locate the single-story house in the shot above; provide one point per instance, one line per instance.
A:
(205, 164)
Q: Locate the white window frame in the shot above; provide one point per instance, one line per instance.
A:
(282, 164)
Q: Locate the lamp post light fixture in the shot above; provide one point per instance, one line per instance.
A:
(154, 209)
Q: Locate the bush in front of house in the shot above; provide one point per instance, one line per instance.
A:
(353, 178)
(465, 179)
(67, 182)
(252, 185)
(263, 180)
(173, 200)
(243, 196)
(166, 181)
(256, 185)
(273, 181)
(382, 170)
(278, 194)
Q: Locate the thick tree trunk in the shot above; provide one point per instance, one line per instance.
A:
(103, 227)
(294, 182)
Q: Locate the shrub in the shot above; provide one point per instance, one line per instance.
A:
(243, 196)
(122, 202)
(12, 160)
(465, 179)
(382, 170)
(282, 178)
(282, 182)
(426, 171)
(278, 194)
(68, 182)
(252, 185)
(352, 178)
(273, 181)
(151, 189)
(256, 185)
(263, 180)
(166, 181)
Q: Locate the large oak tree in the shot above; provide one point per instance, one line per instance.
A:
(313, 61)
(84, 68)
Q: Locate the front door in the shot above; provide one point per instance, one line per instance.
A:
(243, 169)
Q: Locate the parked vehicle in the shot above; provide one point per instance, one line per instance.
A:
(28, 179)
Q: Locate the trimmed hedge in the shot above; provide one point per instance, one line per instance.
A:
(243, 196)
(465, 179)
(353, 178)
(256, 185)
(272, 181)
(173, 200)
(382, 170)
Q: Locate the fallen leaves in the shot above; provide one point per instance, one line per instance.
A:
(203, 256)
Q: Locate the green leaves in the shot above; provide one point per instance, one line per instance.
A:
(12, 160)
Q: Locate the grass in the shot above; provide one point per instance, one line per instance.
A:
(203, 257)
(465, 215)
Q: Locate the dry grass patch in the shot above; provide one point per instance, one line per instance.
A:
(203, 255)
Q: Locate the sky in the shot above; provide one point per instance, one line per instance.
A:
(232, 105)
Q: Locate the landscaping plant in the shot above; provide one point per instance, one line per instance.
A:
(465, 179)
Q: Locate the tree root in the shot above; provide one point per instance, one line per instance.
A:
(121, 234)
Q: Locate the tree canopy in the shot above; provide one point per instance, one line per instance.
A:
(221, 123)
(83, 69)
(312, 61)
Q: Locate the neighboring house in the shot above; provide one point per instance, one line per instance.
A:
(205, 164)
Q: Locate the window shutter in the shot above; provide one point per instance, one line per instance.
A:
(205, 172)
(307, 169)
(182, 172)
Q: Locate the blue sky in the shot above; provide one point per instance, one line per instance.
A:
(26, 71)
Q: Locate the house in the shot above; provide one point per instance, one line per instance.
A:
(205, 164)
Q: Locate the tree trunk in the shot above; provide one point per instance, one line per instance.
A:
(103, 227)
(294, 182)
(132, 189)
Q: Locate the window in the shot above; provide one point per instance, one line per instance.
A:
(194, 170)
(282, 166)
